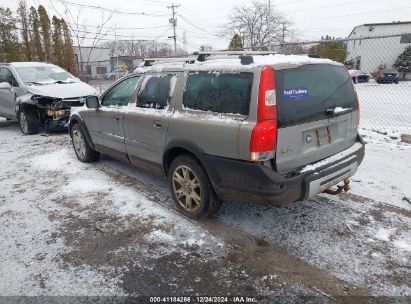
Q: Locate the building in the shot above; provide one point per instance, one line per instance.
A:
(95, 62)
(368, 55)
(127, 61)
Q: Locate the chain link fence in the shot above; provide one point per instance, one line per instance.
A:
(384, 91)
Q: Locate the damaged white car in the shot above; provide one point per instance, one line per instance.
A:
(39, 95)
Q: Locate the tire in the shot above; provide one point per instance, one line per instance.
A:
(191, 188)
(81, 147)
(29, 123)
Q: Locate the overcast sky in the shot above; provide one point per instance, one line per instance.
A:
(202, 20)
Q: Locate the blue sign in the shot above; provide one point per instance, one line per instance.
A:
(295, 94)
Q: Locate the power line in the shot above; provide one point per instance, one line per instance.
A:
(334, 5)
(97, 33)
(152, 2)
(125, 28)
(198, 17)
(107, 39)
(197, 27)
(114, 11)
(357, 14)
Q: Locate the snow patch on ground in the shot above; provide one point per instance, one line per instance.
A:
(385, 172)
(42, 187)
(385, 107)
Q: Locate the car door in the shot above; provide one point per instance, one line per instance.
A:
(8, 96)
(146, 123)
(106, 124)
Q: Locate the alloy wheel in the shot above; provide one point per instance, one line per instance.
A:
(79, 144)
(187, 188)
(23, 123)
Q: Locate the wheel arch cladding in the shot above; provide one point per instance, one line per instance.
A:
(76, 120)
(175, 149)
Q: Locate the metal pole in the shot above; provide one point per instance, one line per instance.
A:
(174, 22)
(269, 24)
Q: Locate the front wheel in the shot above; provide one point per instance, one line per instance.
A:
(191, 188)
(29, 123)
(83, 151)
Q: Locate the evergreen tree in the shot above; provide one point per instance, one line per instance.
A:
(58, 47)
(334, 50)
(9, 46)
(403, 62)
(22, 11)
(45, 32)
(236, 44)
(37, 49)
(69, 57)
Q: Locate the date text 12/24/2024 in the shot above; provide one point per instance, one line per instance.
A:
(203, 299)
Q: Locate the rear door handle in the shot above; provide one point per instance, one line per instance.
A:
(116, 118)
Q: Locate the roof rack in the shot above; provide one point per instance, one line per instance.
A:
(236, 53)
(246, 57)
(151, 61)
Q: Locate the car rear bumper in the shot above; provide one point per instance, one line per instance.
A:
(247, 181)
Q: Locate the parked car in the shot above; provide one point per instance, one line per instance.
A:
(359, 76)
(115, 74)
(388, 76)
(270, 129)
(39, 95)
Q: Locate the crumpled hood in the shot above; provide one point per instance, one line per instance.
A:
(66, 90)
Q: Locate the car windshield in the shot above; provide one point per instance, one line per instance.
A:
(43, 75)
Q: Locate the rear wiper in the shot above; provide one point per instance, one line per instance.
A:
(337, 111)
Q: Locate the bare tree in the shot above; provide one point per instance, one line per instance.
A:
(259, 26)
(141, 48)
(83, 36)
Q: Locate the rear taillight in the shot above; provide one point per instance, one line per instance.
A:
(264, 136)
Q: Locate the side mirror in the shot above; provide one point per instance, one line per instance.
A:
(5, 85)
(92, 102)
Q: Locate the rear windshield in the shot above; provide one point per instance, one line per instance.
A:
(305, 93)
(218, 92)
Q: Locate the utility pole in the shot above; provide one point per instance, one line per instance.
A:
(283, 39)
(185, 41)
(173, 21)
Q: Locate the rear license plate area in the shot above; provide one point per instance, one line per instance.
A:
(323, 136)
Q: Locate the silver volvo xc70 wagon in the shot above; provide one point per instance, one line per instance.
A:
(271, 128)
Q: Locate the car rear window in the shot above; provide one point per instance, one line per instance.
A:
(218, 92)
(305, 93)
